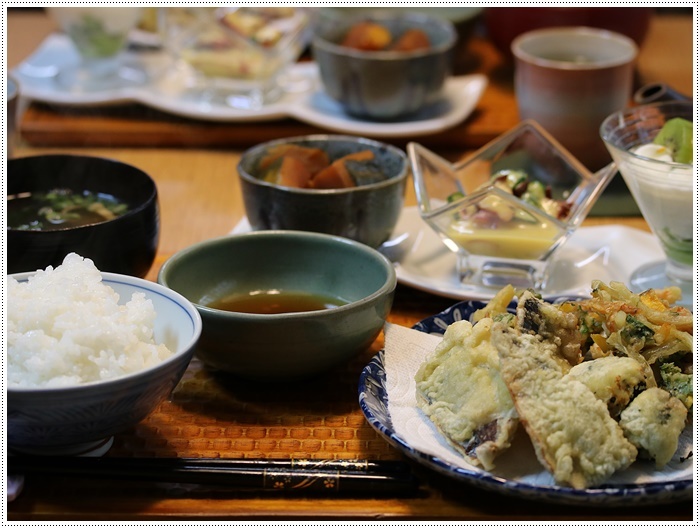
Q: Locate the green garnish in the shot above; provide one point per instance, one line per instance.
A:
(678, 384)
(635, 330)
(62, 208)
(677, 136)
(93, 40)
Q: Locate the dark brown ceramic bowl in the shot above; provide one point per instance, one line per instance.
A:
(503, 24)
(366, 213)
(126, 244)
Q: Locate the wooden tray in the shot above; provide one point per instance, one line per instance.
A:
(211, 414)
(135, 125)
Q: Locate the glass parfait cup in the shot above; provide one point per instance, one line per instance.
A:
(663, 191)
(498, 237)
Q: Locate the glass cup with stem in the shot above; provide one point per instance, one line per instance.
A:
(662, 188)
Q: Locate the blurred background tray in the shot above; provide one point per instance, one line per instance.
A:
(136, 125)
(133, 125)
(168, 90)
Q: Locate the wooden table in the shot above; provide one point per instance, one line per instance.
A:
(212, 415)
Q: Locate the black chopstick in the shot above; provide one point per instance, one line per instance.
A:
(279, 475)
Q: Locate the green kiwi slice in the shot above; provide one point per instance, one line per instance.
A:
(677, 136)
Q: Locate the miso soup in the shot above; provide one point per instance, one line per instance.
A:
(61, 209)
(276, 302)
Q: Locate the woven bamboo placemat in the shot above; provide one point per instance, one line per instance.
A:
(214, 414)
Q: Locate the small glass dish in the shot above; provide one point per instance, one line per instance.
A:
(506, 209)
(236, 55)
(100, 36)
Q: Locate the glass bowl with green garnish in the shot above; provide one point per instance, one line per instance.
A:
(100, 36)
(506, 209)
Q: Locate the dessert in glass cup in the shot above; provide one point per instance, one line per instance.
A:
(652, 146)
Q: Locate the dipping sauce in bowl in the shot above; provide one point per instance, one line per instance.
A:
(283, 305)
(276, 302)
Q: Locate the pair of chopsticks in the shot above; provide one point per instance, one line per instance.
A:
(279, 475)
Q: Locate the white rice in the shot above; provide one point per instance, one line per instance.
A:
(65, 327)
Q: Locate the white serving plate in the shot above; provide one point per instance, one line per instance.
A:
(305, 100)
(386, 394)
(608, 253)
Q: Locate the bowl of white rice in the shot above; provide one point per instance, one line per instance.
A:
(89, 354)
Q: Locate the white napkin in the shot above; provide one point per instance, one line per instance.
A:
(243, 226)
(404, 351)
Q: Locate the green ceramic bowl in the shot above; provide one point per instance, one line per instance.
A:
(283, 346)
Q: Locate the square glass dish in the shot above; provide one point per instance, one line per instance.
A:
(236, 55)
(506, 209)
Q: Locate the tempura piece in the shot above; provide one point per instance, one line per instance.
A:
(644, 326)
(497, 306)
(677, 382)
(460, 389)
(614, 380)
(572, 432)
(653, 422)
(552, 324)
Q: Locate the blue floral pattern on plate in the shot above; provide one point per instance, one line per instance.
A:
(374, 403)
